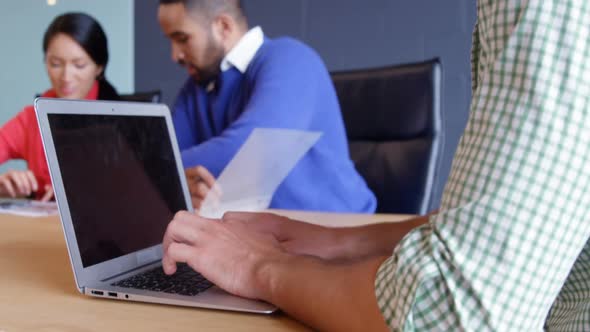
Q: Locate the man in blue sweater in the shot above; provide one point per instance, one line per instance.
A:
(241, 80)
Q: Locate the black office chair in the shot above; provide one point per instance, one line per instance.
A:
(147, 96)
(393, 123)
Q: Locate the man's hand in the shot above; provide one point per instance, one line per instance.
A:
(228, 253)
(242, 254)
(18, 184)
(200, 183)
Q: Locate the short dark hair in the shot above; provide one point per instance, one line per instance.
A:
(211, 8)
(87, 32)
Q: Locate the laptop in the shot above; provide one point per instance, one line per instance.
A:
(118, 181)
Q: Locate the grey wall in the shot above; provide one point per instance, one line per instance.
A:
(347, 34)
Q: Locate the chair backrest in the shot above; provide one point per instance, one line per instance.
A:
(393, 122)
(146, 96)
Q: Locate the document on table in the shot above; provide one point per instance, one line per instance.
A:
(29, 208)
(251, 178)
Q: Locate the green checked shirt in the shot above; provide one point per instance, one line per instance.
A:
(509, 250)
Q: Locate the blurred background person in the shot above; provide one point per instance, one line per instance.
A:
(76, 55)
(240, 80)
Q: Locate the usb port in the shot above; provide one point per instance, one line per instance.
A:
(113, 294)
(97, 292)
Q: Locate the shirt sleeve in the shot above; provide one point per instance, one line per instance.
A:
(13, 136)
(571, 309)
(514, 212)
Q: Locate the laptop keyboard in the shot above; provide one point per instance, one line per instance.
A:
(185, 281)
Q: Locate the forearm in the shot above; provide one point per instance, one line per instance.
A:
(370, 240)
(325, 296)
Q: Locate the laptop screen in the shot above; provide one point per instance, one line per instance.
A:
(120, 179)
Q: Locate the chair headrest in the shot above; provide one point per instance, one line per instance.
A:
(389, 103)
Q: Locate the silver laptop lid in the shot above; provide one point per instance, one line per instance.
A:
(118, 180)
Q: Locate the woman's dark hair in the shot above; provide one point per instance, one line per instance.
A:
(88, 33)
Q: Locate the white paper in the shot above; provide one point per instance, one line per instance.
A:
(28, 208)
(250, 180)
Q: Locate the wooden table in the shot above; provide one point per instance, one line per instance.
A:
(37, 289)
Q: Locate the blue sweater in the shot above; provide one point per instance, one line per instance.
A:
(285, 86)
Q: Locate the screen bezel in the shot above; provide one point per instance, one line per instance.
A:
(101, 271)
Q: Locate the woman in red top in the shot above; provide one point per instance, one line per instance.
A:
(76, 55)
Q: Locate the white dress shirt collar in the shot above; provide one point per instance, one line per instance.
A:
(244, 51)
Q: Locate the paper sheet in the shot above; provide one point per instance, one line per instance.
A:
(250, 180)
(29, 208)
